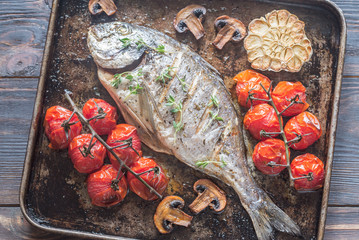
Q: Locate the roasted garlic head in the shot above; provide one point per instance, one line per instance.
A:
(277, 42)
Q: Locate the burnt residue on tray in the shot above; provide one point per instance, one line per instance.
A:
(57, 196)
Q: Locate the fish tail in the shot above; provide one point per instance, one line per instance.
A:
(266, 216)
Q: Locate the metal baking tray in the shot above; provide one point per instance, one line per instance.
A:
(53, 195)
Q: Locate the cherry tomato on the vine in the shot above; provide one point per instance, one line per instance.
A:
(305, 126)
(56, 120)
(307, 165)
(270, 151)
(284, 92)
(103, 191)
(104, 125)
(248, 82)
(124, 134)
(154, 176)
(261, 117)
(86, 156)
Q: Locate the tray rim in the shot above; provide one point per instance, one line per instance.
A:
(333, 7)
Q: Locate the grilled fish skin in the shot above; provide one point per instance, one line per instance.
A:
(183, 74)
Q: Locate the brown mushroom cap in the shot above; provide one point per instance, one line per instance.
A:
(169, 212)
(98, 6)
(229, 29)
(208, 195)
(190, 18)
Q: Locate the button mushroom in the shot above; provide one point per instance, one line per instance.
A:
(191, 18)
(228, 29)
(169, 212)
(98, 6)
(208, 195)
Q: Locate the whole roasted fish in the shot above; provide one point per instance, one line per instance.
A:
(181, 107)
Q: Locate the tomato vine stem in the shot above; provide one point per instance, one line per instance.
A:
(110, 149)
(281, 125)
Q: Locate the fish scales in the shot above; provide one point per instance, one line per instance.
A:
(192, 82)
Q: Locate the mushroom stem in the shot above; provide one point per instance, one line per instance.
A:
(98, 6)
(195, 26)
(224, 35)
(169, 212)
(202, 201)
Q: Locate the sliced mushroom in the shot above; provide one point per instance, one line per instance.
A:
(208, 195)
(169, 212)
(98, 6)
(228, 29)
(191, 18)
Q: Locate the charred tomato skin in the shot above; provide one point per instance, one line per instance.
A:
(284, 92)
(158, 181)
(89, 163)
(100, 190)
(119, 133)
(305, 124)
(101, 126)
(303, 165)
(249, 81)
(261, 117)
(270, 150)
(54, 118)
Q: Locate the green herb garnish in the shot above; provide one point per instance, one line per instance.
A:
(176, 108)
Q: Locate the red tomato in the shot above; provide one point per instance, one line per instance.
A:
(261, 117)
(54, 129)
(157, 180)
(84, 160)
(307, 126)
(248, 81)
(286, 91)
(304, 165)
(124, 132)
(101, 189)
(270, 150)
(94, 107)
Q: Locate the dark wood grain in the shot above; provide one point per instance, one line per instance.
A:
(342, 223)
(16, 103)
(23, 27)
(350, 9)
(14, 226)
(345, 176)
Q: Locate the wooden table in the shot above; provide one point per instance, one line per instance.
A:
(23, 27)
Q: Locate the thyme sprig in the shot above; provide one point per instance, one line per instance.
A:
(176, 108)
(184, 85)
(124, 144)
(165, 75)
(214, 116)
(134, 89)
(204, 163)
(140, 43)
(214, 101)
(294, 100)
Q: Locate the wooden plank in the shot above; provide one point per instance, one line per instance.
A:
(345, 176)
(342, 223)
(14, 226)
(350, 9)
(23, 27)
(16, 103)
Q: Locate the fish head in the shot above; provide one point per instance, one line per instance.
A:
(116, 45)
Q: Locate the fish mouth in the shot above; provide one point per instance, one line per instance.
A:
(127, 68)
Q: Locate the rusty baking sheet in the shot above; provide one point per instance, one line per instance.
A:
(53, 195)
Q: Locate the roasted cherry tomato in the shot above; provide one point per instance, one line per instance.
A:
(261, 117)
(285, 92)
(56, 120)
(125, 135)
(103, 189)
(307, 165)
(305, 126)
(86, 155)
(153, 175)
(269, 151)
(98, 107)
(248, 82)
